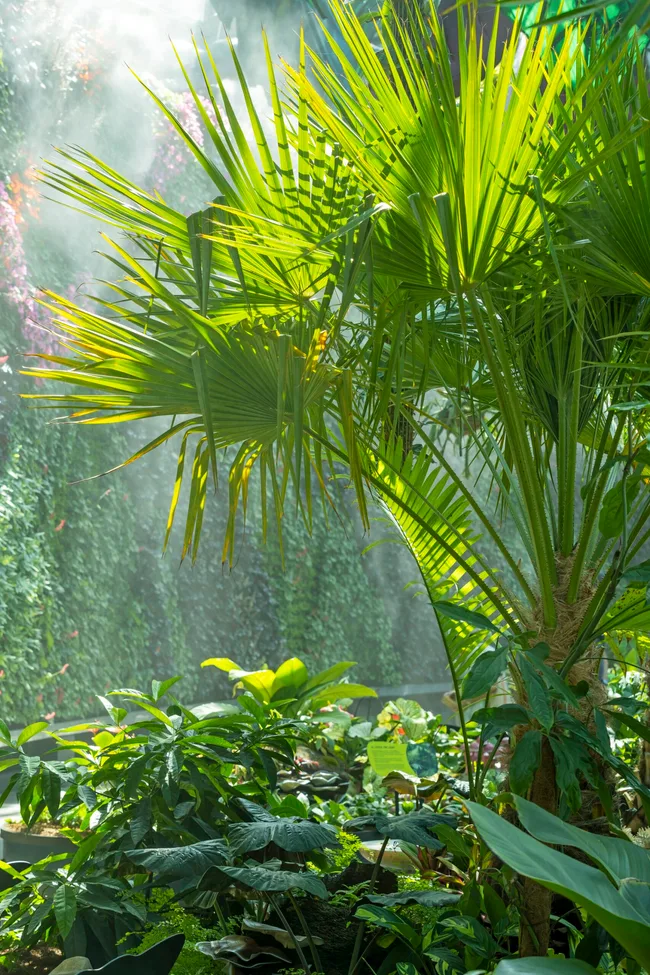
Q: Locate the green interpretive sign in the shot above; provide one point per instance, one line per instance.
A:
(395, 756)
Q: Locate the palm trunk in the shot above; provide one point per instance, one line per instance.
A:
(535, 928)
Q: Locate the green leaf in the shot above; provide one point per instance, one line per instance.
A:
(639, 573)
(64, 903)
(388, 919)
(637, 894)
(567, 764)
(619, 858)
(339, 692)
(544, 966)
(271, 881)
(484, 673)
(426, 898)
(222, 663)
(289, 833)
(289, 678)
(638, 727)
(30, 731)
(174, 764)
(550, 677)
(587, 886)
(328, 676)
(461, 615)
(181, 862)
(141, 820)
(640, 404)
(615, 504)
(51, 790)
(472, 933)
(414, 827)
(258, 682)
(29, 765)
(5, 734)
(159, 688)
(497, 721)
(88, 796)
(406, 968)
(156, 713)
(538, 696)
(85, 848)
(525, 761)
(447, 961)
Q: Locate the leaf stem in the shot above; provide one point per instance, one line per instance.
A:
(305, 927)
(301, 955)
(358, 941)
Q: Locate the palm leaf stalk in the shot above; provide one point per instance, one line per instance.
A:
(393, 242)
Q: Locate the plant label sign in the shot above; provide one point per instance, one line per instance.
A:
(394, 756)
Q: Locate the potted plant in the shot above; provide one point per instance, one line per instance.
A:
(51, 807)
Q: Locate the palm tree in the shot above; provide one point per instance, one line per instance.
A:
(392, 245)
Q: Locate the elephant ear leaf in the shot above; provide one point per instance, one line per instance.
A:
(414, 827)
(181, 862)
(262, 879)
(289, 833)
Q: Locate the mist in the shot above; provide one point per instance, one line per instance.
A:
(70, 66)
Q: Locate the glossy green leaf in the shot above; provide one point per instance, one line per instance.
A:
(339, 692)
(587, 886)
(30, 731)
(181, 862)
(64, 903)
(543, 966)
(427, 898)
(485, 672)
(273, 881)
(525, 761)
(289, 678)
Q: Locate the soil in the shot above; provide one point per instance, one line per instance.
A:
(37, 961)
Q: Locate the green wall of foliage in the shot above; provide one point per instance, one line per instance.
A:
(87, 601)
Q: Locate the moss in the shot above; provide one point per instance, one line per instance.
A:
(176, 920)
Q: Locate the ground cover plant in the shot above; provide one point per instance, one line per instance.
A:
(414, 252)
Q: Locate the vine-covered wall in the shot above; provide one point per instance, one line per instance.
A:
(87, 601)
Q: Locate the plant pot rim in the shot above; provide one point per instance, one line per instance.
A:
(34, 839)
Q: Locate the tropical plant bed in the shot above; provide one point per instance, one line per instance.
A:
(424, 257)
